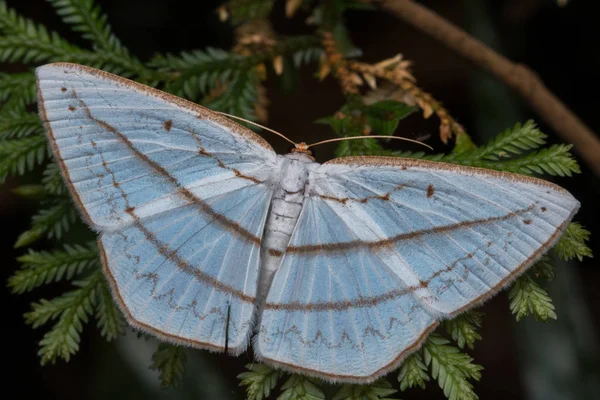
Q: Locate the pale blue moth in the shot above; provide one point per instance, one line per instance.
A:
(339, 270)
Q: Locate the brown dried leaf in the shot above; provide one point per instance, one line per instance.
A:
(370, 79)
(291, 6)
(324, 70)
(445, 132)
(278, 65)
(223, 13)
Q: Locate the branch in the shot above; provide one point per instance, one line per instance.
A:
(520, 78)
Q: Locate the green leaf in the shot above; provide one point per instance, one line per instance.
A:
(555, 160)
(528, 298)
(463, 328)
(384, 116)
(51, 222)
(52, 180)
(33, 192)
(379, 390)
(239, 98)
(27, 42)
(299, 387)
(241, 11)
(169, 360)
(260, 380)
(544, 268)
(16, 91)
(40, 267)
(85, 17)
(413, 372)
(512, 142)
(451, 368)
(19, 124)
(573, 243)
(72, 310)
(18, 156)
(109, 317)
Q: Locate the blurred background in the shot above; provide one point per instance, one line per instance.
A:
(526, 360)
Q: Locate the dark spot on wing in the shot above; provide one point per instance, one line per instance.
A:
(168, 124)
(430, 190)
(71, 108)
(527, 221)
(63, 89)
(544, 209)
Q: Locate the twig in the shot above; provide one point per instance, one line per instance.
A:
(428, 104)
(338, 64)
(520, 78)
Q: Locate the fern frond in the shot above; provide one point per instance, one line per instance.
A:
(169, 360)
(18, 156)
(27, 42)
(555, 160)
(40, 267)
(199, 71)
(109, 317)
(245, 10)
(51, 222)
(52, 180)
(72, 310)
(513, 141)
(192, 74)
(19, 124)
(259, 380)
(378, 390)
(573, 243)
(527, 298)
(299, 387)
(240, 96)
(451, 368)
(85, 17)
(20, 86)
(413, 372)
(463, 328)
(544, 268)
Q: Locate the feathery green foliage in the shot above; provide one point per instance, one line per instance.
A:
(379, 390)
(230, 81)
(451, 368)
(299, 387)
(19, 156)
(43, 267)
(413, 372)
(71, 311)
(259, 380)
(169, 360)
(528, 298)
(572, 244)
(463, 328)
(51, 222)
(245, 10)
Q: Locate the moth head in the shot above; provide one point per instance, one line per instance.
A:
(301, 148)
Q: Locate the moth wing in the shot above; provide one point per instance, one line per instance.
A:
(179, 193)
(385, 247)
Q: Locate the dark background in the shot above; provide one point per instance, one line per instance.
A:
(559, 359)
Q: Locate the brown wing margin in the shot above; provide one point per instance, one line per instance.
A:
(406, 163)
(202, 112)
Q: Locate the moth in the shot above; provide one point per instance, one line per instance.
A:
(339, 270)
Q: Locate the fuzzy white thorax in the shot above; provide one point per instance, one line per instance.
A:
(286, 205)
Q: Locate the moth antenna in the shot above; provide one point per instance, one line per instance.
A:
(369, 137)
(259, 125)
